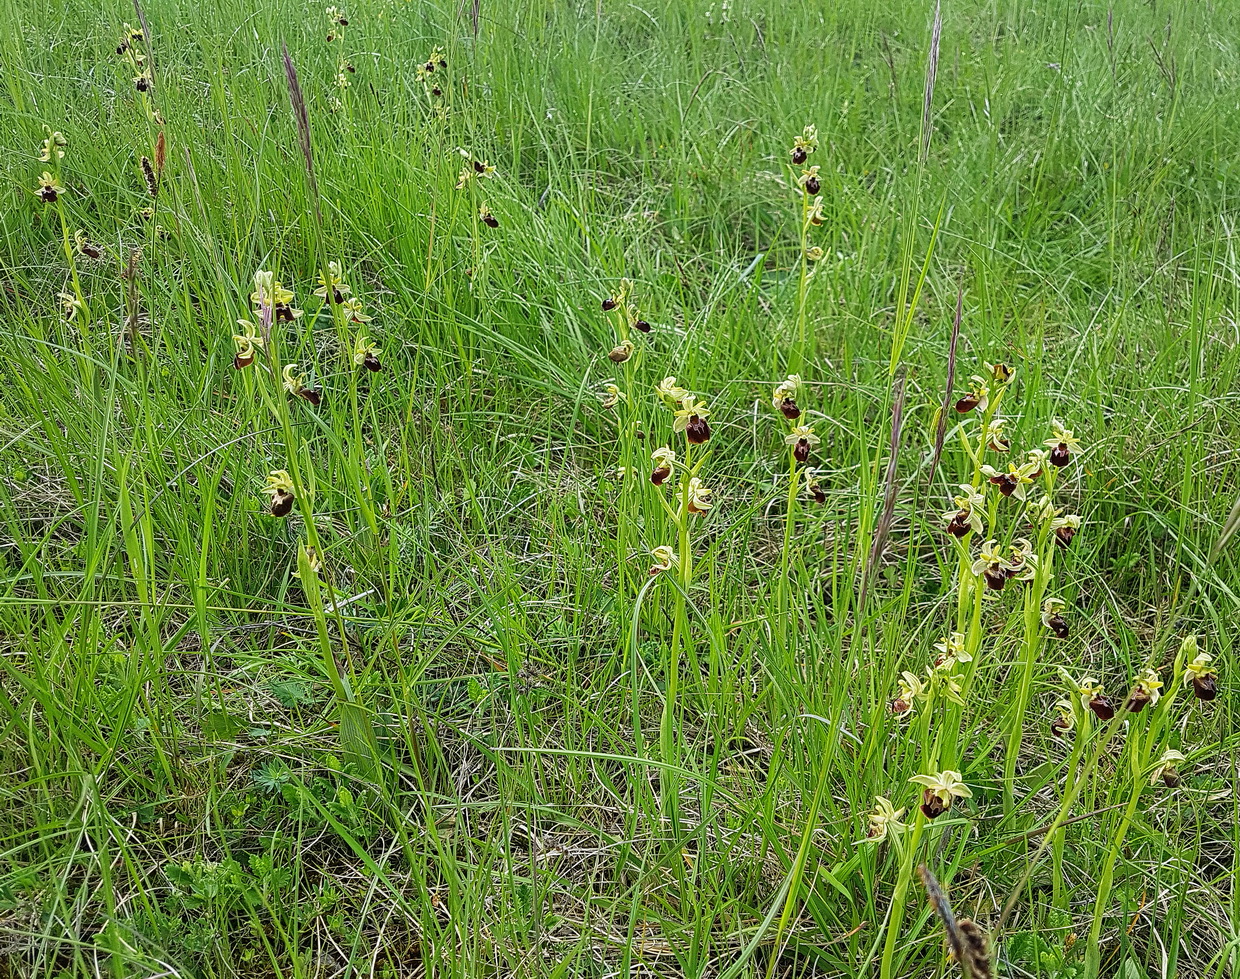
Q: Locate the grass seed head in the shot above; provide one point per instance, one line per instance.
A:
(148, 174)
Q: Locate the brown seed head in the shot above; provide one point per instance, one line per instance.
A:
(148, 174)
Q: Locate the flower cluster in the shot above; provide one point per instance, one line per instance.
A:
(336, 24)
(809, 183)
(997, 565)
(1087, 697)
(628, 314)
(53, 146)
(273, 303)
(689, 417)
(939, 790)
(972, 509)
(800, 438)
(473, 170)
(430, 73)
(133, 49)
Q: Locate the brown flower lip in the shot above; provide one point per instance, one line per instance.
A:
(659, 476)
(995, 577)
(491, 221)
(1006, 483)
(1060, 727)
(47, 195)
(313, 395)
(1137, 700)
(240, 361)
(282, 504)
(1171, 778)
(697, 431)
(642, 325)
(1060, 455)
(1058, 626)
(1064, 535)
(1102, 707)
(900, 706)
(609, 304)
(931, 805)
(959, 526)
(799, 156)
(790, 410)
(1205, 687)
(812, 186)
(967, 403)
(800, 451)
(142, 85)
(817, 493)
(371, 363)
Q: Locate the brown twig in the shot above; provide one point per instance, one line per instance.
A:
(940, 431)
(932, 71)
(303, 129)
(883, 527)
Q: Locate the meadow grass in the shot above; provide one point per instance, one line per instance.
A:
(442, 718)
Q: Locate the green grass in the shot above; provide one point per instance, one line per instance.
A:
(482, 740)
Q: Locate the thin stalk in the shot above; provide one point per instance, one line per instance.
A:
(899, 898)
(782, 598)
